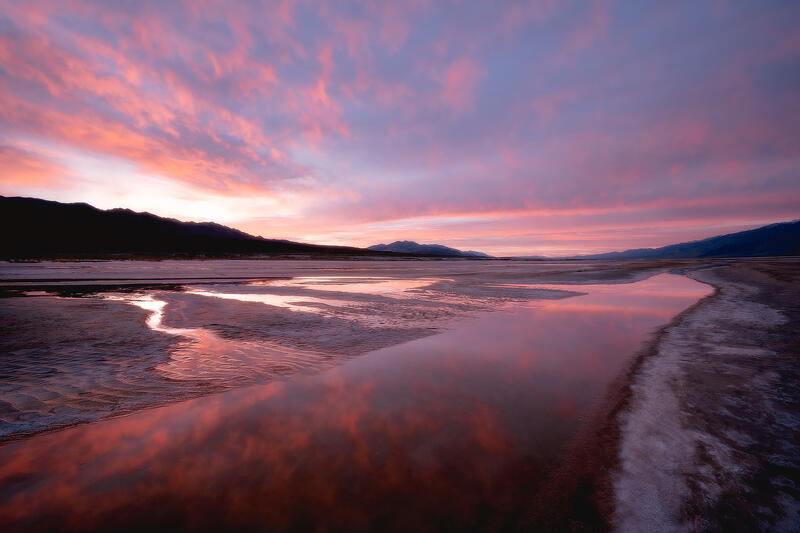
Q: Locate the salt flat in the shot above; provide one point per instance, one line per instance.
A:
(608, 384)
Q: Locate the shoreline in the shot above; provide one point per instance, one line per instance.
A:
(708, 419)
(690, 462)
(579, 493)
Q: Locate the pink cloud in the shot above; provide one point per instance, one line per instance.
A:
(461, 79)
(415, 113)
(23, 168)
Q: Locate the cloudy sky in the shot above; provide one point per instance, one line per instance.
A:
(551, 127)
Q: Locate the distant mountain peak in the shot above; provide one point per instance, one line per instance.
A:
(411, 247)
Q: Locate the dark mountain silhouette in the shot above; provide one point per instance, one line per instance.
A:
(782, 238)
(34, 228)
(41, 229)
(411, 247)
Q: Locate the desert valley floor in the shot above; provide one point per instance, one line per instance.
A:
(400, 395)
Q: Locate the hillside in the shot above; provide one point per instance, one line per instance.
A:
(782, 238)
(37, 229)
(411, 247)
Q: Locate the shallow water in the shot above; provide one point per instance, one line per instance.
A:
(457, 430)
(89, 344)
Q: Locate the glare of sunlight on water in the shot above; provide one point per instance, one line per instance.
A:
(367, 285)
(227, 362)
(292, 302)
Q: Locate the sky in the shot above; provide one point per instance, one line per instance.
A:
(514, 128)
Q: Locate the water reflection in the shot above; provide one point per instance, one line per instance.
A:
(454, 431)
(224, 362)
(292, 302)
(384, 286)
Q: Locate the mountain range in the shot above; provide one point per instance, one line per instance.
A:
(782, 238)
(411, 247)
(39, 229)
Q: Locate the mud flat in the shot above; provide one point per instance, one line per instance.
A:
(401, 396)
(710, 438)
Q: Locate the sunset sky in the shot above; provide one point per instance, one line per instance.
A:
(552, 127)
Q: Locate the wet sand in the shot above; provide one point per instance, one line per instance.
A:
(699, 432)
